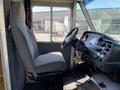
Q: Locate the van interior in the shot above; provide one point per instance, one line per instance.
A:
(61, 45)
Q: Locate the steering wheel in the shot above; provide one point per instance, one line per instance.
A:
(70, 37)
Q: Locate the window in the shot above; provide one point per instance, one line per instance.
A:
(105, 16)
(41, 23)
(81, 21)
(61, 23)
(50, 23)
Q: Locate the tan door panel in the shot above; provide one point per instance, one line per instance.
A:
(0, 66)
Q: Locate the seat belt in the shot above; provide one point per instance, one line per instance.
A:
(7, 22)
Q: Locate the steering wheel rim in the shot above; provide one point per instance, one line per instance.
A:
(69, 37)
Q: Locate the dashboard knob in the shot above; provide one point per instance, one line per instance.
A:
(99, 49)
(100, 59)
(107, 49)
(109, 46)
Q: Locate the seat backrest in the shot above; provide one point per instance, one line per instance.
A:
(23, 37)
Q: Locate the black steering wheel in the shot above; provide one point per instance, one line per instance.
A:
(70, 37)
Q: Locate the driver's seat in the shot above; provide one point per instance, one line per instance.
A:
(27, 46)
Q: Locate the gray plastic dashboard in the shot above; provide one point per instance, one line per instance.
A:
(102, 50)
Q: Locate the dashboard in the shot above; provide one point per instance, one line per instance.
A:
(101, 50)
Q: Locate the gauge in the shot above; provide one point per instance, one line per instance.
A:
(93, 41)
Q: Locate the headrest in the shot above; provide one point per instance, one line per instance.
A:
(17, 12)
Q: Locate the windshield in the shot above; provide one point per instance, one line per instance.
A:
(105, 16)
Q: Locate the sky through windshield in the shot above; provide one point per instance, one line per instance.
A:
(91, 4)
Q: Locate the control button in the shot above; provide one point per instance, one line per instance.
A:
(97, 57)
(104, 44)
(109, 46)
(98, 54)
(99, 49)
(100, 59)
(102, 85)
(104, 53)
(101, 56)
(107, 49)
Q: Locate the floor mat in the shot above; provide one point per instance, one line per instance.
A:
(2, 84)
(45, 85)
(75, 77)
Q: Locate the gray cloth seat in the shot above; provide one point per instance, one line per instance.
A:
(53, 61)
(27, 46)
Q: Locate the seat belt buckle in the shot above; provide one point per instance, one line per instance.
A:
(30, 76)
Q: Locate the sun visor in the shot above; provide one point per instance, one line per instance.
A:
(52, 2)
(17, 0)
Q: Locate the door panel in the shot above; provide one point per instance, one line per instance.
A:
(1, 76)
(0, 66)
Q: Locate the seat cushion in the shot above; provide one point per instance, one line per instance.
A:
(50, 62)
